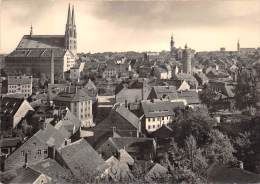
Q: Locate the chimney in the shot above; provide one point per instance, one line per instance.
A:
(25, 160)
(114, 131)
(241, 165)
(126, 104)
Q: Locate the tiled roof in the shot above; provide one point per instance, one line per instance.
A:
(128, 115)
(38, 52)
(130, 95)
(9, 142)
(90, 85)
(82, 159)
(51, 168)
(68, 125)
(42, 41)
(192, 97)
(50, 136)
(163, 132)
(158, 108)
(10, 106)
(156, 172)
(163, 91)
(72, 96)
(133, 144)
(26, 175)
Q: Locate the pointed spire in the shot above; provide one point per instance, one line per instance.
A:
(69, 16)
(186, 46)
(73, 16)
(31, 30)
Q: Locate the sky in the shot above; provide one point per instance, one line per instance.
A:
(136, 25)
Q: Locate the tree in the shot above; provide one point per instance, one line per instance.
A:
(219, 148)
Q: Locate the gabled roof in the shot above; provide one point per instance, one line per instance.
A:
(38, 52)
(42, 41)
(82, 159)
(130, 95)
(90, 85)
(50, 136)
(165, 91)
(52, 169)
(72, 96)
(158, 108)
(156, 172)
(68, 125)
(192, 97)
(10, 106)
(163, 132)
(26, 175)
(128, 115)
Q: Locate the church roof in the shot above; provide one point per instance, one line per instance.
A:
(42, 41)
(40, 52)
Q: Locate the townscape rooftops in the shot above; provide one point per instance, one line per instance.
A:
(42, 41)
(80, 157)
(9, 142)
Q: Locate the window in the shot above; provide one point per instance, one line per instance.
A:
(153, 119)
(162, 118)
(45, 151)
(39, 152)
(22, 153)
(158, 126)
(149, 127)
(153, 126)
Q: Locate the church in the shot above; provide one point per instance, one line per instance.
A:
(37, 54)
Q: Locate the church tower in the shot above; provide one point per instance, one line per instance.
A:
(70, 32)
(187, 55)
(238, 46)
(172, 44)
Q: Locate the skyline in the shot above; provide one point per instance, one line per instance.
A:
(102, 25)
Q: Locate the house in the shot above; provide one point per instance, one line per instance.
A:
(52, 169)
(163, 93)
(13, 110)
(201, 78)
(79, 103)
(138, 148)
(189, 98)
(8, 145)
(68, 125)
(28, 175)
(36, 148)
(163, 71)
(157, 113)
(75, 71)
(156, 172)
(190, 79)
(82, 160)
(118, 171)
(127, 96)
(20, 84)
(120, 121)
(110, 72)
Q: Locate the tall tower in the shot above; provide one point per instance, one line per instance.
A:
(172, 44)
(52, 67)
(31, 30)
(238, 46)
(187, 55)
(70, 32)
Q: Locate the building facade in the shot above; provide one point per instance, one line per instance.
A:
(20, 84)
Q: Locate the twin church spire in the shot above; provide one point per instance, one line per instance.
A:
(70, 31)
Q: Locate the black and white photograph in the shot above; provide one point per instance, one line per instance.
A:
(129, 91)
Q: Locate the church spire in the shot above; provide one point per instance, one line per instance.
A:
(73, 16)
(69, 16)
(31, 30)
